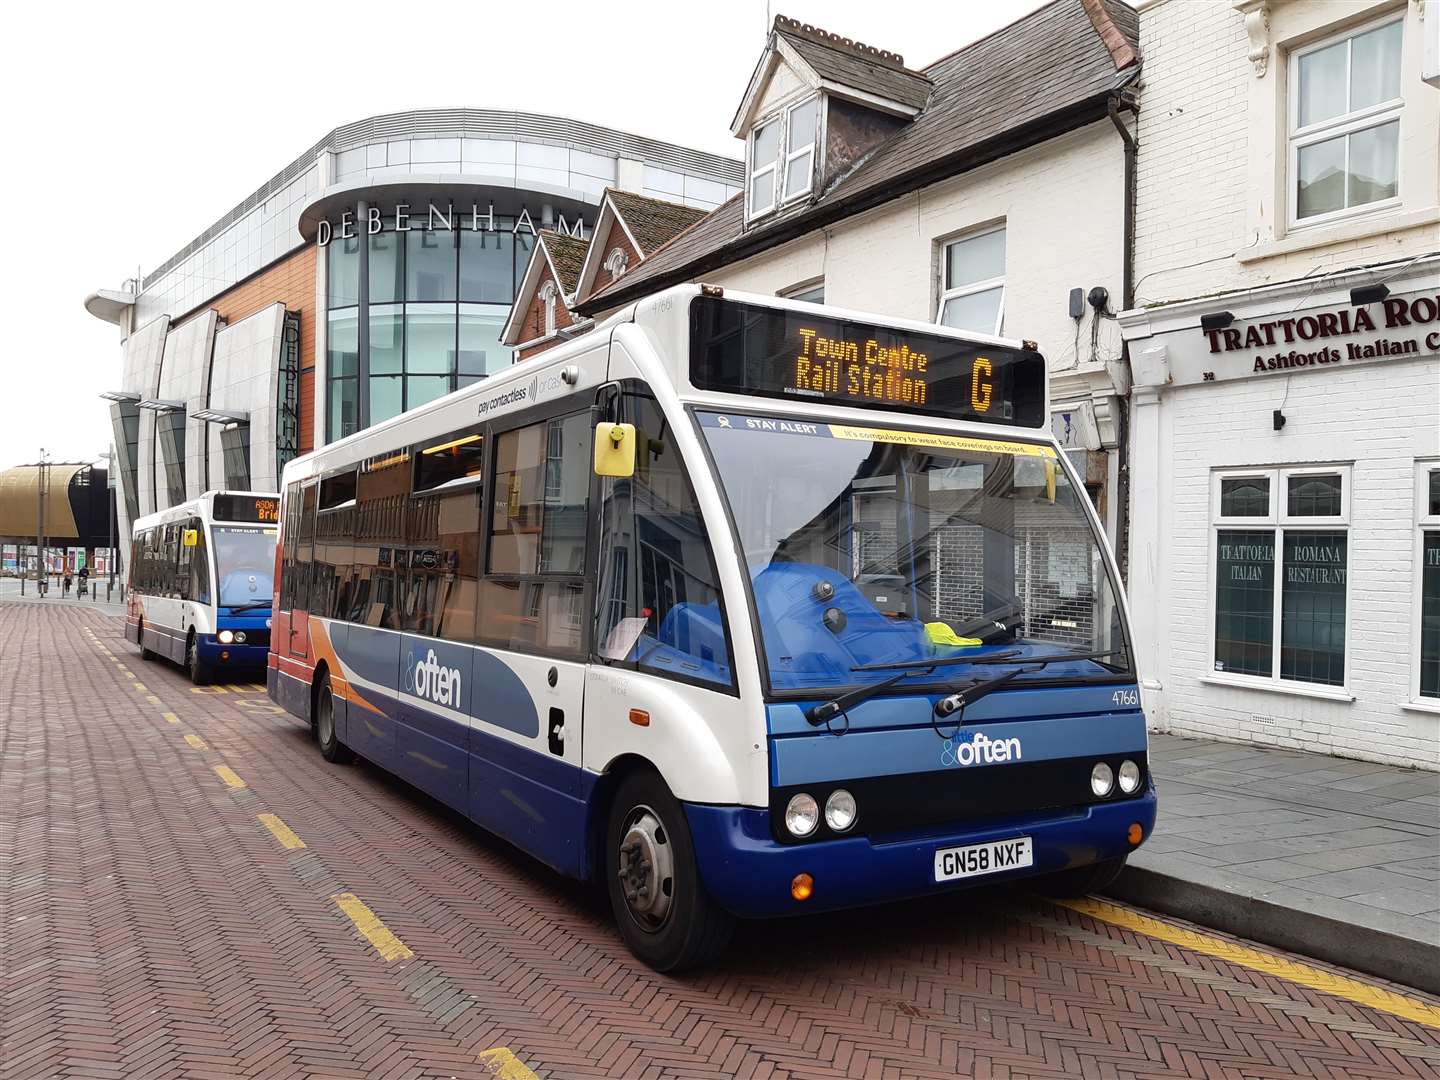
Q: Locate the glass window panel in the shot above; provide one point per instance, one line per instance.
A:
(387, 340)
(449, 459)
(797, 174)
(1322, 177)
(533, 614)
(1313, 496)
(542, 482)
(977, 259)
(385, 397)
(766, 145)
(1375, 66)
(1430, 615)
(1244, 601)
(762, 192)
(429, 339)
(487, 266)
(977, 311)
(430, 264)
(459, 562)
(342, 343)
(1322, 83)
(1312, 608)
(344, 271)
(802, 124)
(480, 350)
(1374, 164)
(659, 595)
(1247, 496)
(1434, 492)
(387, 268)
(422, 388)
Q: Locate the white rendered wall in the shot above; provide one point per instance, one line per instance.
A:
(143, 350)
(185, 377)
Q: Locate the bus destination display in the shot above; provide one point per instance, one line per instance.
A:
(247, 508)
(746, 348)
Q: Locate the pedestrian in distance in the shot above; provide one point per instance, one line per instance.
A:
(84, 576)
(65, 588)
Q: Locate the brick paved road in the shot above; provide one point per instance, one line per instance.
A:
(153, 924)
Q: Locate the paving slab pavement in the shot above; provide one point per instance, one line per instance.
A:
(1328, 856)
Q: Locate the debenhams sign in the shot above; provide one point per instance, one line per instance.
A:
(1398, 327)
(405, 218)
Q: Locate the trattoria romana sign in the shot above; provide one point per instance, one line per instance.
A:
(1398, 326)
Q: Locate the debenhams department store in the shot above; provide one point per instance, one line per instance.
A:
(371, 275)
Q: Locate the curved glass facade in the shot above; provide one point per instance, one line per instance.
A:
(438, 300)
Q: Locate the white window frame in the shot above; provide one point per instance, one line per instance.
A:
(617, 262)
(783, 156)
(804, 289)
(787, 155)
(1277, 520)
(974, 286)
(1347, 123)
(548, 294)
(1424, 522)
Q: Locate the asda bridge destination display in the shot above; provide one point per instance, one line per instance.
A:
(263, 510)
(751, 349)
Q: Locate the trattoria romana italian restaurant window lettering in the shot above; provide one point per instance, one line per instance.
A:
(1281, 541)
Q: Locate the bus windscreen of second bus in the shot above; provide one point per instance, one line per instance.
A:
(244, 565)
(922, 545)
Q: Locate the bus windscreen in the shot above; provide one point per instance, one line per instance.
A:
(751, 349)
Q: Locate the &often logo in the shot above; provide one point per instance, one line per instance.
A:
(432, 680)
(976, 748)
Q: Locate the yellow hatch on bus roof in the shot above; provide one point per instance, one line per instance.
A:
(942, 442)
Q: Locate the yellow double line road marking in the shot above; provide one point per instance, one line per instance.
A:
(371, 928)
(1341, 986)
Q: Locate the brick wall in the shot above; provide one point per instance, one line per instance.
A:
(291, 282)
(614, 237)
(533, 325)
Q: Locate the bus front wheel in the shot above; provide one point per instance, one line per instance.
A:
(663, 911)
(331, 748)
(199, 670)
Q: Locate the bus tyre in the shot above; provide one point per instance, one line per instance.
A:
(199, 670)
(145, 654)
(331, 748)
(664, 913)
(1080, 881)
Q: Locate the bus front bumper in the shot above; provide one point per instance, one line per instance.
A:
(215, 654)
(749, 873)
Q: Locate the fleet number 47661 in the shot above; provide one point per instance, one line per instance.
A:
(1126, 697)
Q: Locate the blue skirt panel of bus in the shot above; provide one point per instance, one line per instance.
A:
(870, 749)
(240, 656)
(535, 800)
(749, 872)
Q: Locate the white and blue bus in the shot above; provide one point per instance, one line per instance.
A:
(743, 606)
(202, 581)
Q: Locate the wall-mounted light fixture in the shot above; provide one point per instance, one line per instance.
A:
(1277, 419)
(1216, 320)
(1369, 294)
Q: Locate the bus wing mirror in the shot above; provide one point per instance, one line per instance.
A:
(191, 538)
(614, 449)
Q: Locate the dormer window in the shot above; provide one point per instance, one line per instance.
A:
(547, 297)
(782, 156)
(616, 262)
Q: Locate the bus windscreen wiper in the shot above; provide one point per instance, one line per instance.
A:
(829, 710)
(954, 704)
(248, 606)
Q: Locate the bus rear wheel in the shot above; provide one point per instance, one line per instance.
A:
(199, 670)
(661, 907)
(331, 748)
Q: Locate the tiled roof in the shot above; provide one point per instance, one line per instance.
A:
(567, 255)
(653, 222)
(1048, 72)
(840, 61)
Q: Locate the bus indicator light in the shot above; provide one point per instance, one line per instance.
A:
(639, 717)
(1135, 834)
(802, 887)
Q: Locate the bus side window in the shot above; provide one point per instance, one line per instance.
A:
(199, 564)
(658, 598)
(382, 489)
(534, 591)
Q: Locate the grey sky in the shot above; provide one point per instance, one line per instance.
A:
(130, 128)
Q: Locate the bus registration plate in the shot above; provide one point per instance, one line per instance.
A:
(977, 859)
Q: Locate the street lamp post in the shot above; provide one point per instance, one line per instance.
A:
(109, 457)
(41, 484)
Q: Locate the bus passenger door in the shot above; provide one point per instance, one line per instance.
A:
(301, 566)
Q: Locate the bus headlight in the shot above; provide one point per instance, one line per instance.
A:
(802, 814)
(226, 637)
(1102, 779)
(1129, 776)
(840, 810)
(239, 637)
